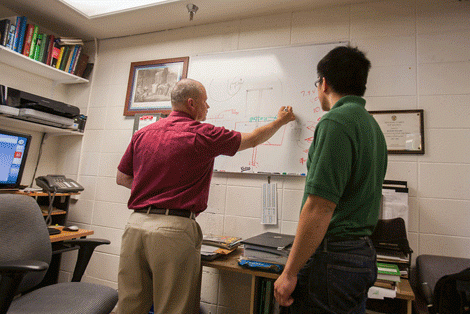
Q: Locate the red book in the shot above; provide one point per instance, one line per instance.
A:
(50, 49)
(55, 54)
(27, 39)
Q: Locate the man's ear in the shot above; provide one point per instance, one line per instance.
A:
(190, 103)
(324, 86)
(191, 107)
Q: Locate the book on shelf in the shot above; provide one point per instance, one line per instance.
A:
(11, 36)
(37, 47)
(69, 59)
(70, 41)
(59, 58)
(266, 303)
(388, 271)
(28, 37)
(265, 296)
(33, 44)
(74, 54)
(21, 23)
(55, 54)
(227, 242)
(48, 51)
(87, 71)
(65, 57)
(4, 31)
(81, 64)
(75, 61)
(43, 49)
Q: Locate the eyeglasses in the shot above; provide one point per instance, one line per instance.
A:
(317, 82)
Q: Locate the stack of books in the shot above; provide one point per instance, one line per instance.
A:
(268, 247)
(214, 246)
(26, 38)
(388, 276)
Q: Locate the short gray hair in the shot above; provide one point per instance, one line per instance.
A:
(184, 89)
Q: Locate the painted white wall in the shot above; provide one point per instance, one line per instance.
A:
(419, 52)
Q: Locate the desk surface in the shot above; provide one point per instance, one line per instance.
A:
(69, 235)
(230, 262)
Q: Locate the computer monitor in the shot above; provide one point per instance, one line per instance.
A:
(13, 152)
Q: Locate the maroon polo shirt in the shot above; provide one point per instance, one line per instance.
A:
(172, 161)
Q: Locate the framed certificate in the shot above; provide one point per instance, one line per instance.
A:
(403, 130)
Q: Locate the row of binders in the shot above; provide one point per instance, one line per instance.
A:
(26, 38)
(265, 301)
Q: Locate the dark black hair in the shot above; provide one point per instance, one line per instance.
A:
(345, 69)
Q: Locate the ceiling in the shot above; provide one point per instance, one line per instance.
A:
(63, 20)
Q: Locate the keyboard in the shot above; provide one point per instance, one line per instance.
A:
(53, 231)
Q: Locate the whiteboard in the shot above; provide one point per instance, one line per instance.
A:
(245, 90)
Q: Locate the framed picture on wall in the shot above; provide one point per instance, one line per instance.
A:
(403, 130)
(150, 84)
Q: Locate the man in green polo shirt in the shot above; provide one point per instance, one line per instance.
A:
(332, 263)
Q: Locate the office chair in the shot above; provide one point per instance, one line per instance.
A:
(432, 269)
(390, 234)
(25, 254)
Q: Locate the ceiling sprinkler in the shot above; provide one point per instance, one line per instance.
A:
(192, 9)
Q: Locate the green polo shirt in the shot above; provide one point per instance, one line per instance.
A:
(346, 164)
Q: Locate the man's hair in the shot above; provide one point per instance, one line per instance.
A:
(345, 69)
(184, 89)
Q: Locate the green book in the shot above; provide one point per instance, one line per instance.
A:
(268, 296)
(32, 49)
(37, 49)
(386, 271)
(42, 48)
(65, 58)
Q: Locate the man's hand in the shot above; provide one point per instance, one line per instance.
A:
(265, 132)
(283, 288)
(285, 114)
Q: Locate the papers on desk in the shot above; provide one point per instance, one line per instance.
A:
(211, 252)
(226, 242)
(380, 293)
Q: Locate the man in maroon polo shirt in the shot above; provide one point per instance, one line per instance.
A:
(168, 167)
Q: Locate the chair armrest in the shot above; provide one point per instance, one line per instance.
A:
(22, 266)
(87, 246)
(12, 274)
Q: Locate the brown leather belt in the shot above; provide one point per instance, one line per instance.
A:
(168, 212)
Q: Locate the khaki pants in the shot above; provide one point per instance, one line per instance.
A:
(160, 264)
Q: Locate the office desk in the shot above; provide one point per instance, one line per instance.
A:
(69, 235)
(58, 247)
(230, 263)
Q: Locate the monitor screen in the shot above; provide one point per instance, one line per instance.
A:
(13, 152)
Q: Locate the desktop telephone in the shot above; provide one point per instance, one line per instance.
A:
(58, 183)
